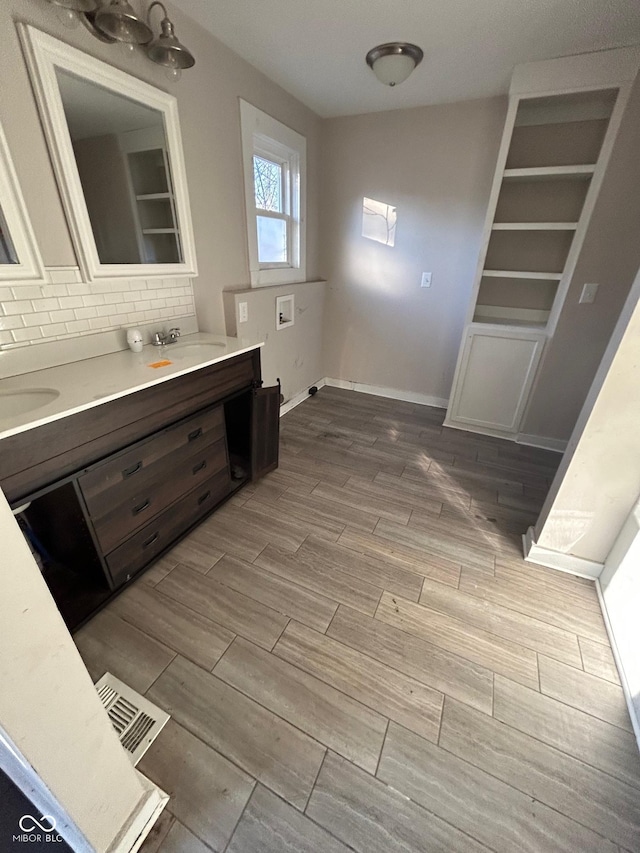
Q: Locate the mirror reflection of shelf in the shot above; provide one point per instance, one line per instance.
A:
(534, 226)
(542, 276)
(155, 205)
(550, 172)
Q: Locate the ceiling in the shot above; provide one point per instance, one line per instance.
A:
(315, 49)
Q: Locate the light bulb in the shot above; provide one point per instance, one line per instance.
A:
(173, 73)
(67, 17)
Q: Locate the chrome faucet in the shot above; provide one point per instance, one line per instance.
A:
(160, 339)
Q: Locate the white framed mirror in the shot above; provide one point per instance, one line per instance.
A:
(20, 261)
(117, 153)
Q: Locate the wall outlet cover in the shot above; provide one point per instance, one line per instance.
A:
(243, 312)
(425, 280)
(589, 293)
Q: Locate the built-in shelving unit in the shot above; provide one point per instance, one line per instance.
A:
(559, 132)
(554, 145)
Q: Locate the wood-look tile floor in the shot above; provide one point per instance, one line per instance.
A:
(356, 657)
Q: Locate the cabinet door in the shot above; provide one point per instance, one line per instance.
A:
(265, 430)
(495, 374)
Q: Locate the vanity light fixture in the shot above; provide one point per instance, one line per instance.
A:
(119, 22)
(394, 61)
(67, 10)
(166, 50)
(116, 22)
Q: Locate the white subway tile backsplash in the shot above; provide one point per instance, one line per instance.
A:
(63, 275)
(53, 329)
(79, 289)
(38, 318)
(67, 307)
(27, 291)
(54, 290)
(21, 335)
(93, 299)
(70, 301)
(62, 316)
(85, 313)
(14, 322)
(20, 306)
(50, 304)
(77, 326)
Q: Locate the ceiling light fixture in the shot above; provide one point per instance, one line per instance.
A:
(116, 22)
(393, 62)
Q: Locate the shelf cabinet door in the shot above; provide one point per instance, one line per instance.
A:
(495, 374)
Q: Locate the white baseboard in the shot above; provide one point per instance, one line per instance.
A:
(299, 398)
(542, 441)
(631, 705)
(534, 553)
(390, 393)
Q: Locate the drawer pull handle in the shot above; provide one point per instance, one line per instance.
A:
(199, 467)
(195, 434)
(150, 540)
(203, 498)
(138, 509)
(129, 472)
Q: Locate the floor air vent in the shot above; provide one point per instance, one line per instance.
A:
(137, 721)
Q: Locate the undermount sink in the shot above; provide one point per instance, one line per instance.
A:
(16, 403)
(172, 349)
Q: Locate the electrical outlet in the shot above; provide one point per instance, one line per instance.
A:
(426, 279)
(243, 312)
(589, 293)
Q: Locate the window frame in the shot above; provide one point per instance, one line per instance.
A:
(265, 137)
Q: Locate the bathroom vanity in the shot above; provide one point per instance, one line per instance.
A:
(131, 454)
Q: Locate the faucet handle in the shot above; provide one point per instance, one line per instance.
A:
(175, 332)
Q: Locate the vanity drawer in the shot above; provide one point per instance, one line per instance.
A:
(144, 545)
(125, 473)
(136, 506)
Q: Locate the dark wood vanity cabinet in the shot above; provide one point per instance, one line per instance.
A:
(114, 487)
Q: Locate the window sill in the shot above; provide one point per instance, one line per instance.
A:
(281, 284)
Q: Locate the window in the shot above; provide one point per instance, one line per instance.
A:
(274, 171)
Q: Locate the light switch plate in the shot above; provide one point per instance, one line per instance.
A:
(589, 293)
(243, 312)
(426, 279)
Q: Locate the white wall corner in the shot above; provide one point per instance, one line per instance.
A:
(141, 822)
(534, 553)
(300, 398)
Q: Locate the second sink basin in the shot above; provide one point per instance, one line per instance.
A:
(16, 403)
(189, 348)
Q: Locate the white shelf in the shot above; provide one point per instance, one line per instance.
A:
(498, 316)
(534, 226)
(152, 196)
(159, 230)
(546, 172)
(541, 276)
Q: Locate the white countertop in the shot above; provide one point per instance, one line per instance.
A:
(84, 384)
